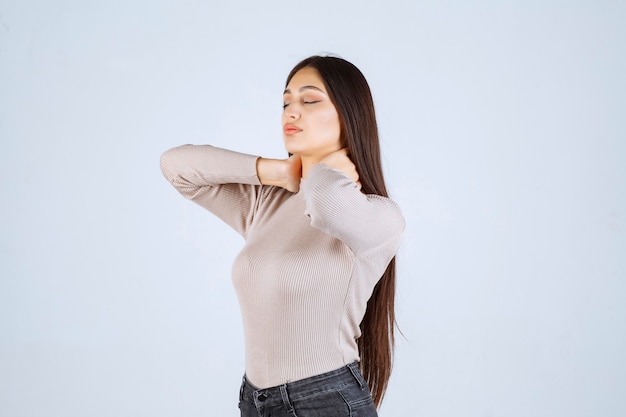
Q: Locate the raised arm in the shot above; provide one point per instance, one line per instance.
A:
(336, 206)
(222, 181)
(191, 167)
(225, 182)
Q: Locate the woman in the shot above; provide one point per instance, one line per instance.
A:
(320, 241)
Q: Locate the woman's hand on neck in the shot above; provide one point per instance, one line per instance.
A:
(286, 173)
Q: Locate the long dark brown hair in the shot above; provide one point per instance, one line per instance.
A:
(350, 93)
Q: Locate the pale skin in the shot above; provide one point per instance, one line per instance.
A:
(311, 131)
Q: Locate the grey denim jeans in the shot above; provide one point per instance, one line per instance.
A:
(339, 393)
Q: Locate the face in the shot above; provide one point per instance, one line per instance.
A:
(311, 125)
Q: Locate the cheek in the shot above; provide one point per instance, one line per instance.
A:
(330, 120)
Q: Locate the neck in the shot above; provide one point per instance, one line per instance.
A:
(307, 164)
(309, 161)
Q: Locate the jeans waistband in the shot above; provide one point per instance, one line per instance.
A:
(293, 391)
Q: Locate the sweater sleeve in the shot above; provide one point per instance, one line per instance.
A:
(363, 222)
(222, 181)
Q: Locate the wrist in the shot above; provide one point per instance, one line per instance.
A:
(283, 173)
(268, 171)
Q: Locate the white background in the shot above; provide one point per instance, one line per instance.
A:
(504, 139)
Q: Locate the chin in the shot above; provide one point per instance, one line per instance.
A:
(293, 149)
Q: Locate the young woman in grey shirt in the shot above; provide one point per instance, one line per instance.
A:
(316, 276)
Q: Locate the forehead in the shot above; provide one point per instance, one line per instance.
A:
(306, 77)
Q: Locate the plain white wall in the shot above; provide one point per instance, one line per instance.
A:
(504, 140)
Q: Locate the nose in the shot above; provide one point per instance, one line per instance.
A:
(291, 112)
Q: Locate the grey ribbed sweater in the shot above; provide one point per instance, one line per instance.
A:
(309, 264)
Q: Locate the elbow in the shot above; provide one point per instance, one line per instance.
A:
(170, 168)
(174, 169)
(398, 226)
(165, 162)
(166, 165)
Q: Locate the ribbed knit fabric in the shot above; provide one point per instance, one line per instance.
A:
(309, 264)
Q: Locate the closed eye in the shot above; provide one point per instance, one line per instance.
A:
(304, 102)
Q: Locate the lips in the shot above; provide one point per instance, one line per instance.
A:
(291, 129)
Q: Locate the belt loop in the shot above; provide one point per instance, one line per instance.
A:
(354, 369)
(283, 393)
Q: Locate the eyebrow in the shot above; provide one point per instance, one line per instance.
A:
(306, 87)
